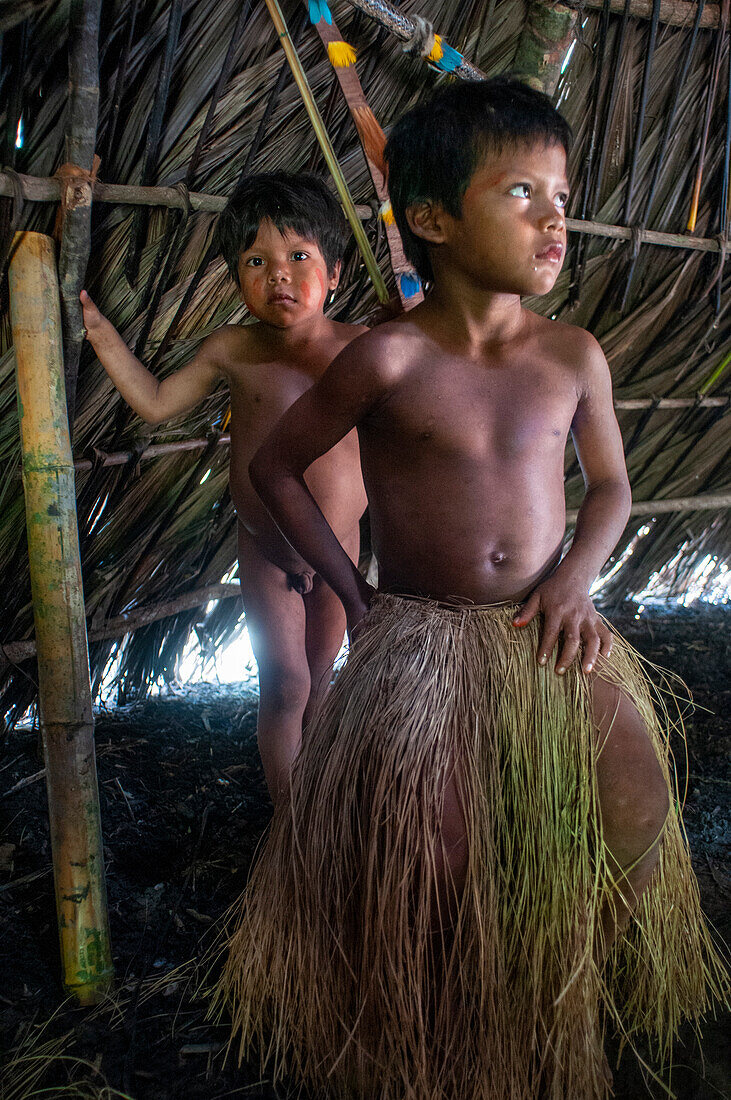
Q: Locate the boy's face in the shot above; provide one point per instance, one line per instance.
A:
(511, 236)
(283, 277)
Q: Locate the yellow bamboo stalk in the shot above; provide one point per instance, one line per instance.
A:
(328, 152)
(67, 722)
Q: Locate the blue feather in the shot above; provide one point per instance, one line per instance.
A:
(450, 60)
(410, 284)
(318, 10)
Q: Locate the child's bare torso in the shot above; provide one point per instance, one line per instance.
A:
(463, 461)
(263, 382)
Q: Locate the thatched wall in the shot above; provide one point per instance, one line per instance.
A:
(152, 529)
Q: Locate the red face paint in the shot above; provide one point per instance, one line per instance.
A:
(255, 293)
(305, 293)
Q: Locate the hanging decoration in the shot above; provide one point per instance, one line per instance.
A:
(424, 42)
(323, 139)
(373, 140)
(419, 38)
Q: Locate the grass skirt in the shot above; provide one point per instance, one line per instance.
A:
(333, 961)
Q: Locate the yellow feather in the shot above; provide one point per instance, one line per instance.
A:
(437, 52)
(386, 214)
(341, 54)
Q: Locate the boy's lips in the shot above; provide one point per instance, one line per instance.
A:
(552, 252)
(281, 298)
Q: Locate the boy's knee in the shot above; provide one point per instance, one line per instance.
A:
(635, 815)
(284, 690)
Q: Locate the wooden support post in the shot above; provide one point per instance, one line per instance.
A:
(547, 35)
(77, 176)
(67, 722)
(676, 13)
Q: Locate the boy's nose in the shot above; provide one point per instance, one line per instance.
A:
(279, 274)
(554, 217)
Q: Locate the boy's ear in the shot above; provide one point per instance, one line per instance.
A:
(427, 220)
(334, 279)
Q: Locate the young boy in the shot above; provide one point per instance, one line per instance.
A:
(441, 910)
(282, 238)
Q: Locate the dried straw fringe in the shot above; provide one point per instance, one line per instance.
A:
(330, 971)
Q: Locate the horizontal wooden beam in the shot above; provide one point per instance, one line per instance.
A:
(15, 652)
(671, 402)
(646, 236)
(48, 189)
(675, 13)
(155, 450)
(714, 502)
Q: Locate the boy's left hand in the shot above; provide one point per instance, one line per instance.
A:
(567, 611)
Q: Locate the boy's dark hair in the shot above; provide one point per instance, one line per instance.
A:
(437, 146)
(300, 203)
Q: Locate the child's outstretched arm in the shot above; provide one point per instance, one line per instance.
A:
(564, 597)
(150, 398)
(353, 384)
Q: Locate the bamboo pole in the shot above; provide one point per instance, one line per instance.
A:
(67, 722)
(48, 189)
(134, 619)
(331, 160)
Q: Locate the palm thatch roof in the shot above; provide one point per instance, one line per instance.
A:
(152, 529)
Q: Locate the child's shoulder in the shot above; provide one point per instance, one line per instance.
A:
(229, 345)
(229, 338)
(343, 334)
(385, 349)
(349, 332)
(574, 346)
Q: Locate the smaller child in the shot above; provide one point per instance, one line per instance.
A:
(283, 238)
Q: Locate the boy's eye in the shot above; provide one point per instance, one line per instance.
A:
(299, 255)
(562, 199)
(520, 190)
(254, 261)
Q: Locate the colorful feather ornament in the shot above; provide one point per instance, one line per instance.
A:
(341, 55)
(443, 56)
(410, 283)
(318, 10)
(371, 135)
(385, 213)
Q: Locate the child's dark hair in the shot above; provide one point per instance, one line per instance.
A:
(436, 148)
(301, 203)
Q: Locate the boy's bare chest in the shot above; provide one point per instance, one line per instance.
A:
(266, 389)
(478, 413)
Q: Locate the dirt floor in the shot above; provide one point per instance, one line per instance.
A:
(183, 808)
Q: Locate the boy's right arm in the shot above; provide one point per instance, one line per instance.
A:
(150, 398)
(356, 381)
